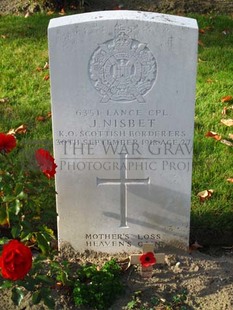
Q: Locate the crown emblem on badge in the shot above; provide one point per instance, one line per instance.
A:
(122, 69)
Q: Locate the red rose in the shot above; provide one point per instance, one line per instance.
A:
(46, 163)
(16, 260)
(147, 259)
(7, 143)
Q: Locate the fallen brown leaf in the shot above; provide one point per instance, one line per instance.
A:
(11, 132)
(230, 180)
(206, 194)
(209, 81)
(224, 111)
(46, 66)
(4, 100)
(46, 77)
(202, 31)
(49, 114)
(22, 129)
(50, 13)
(226, 99)
(226, 142)
(226, 32)
(214, 135)
(40, 118)
(228, 122)
(201, 43)
(231, 136)
(194, 247)
(62, 12)
(59, 285)
(39, 69)
(27, 14)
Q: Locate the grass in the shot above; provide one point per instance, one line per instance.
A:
(23, 50)
(23, 43)
(212, 162)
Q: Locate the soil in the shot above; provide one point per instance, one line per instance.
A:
(207, 279)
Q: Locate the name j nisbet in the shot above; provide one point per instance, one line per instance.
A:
(122, 123)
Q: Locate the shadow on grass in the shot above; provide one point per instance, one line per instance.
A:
(219, 28)
(18, 27)
(203, 230)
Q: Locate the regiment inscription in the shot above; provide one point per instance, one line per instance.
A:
(122, 69)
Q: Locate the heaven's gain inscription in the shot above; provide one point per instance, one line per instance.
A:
(122, 69)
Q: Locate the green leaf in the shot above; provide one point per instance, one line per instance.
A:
(64, 278)
(36, 298)
(25, 235)
(40, 258)
(49, 302)
(55, 265)
(8, 198)
(18, 188)
(48, 231)
(29, 283)
(6, 284)
(22, 195)
(45, 279)
(4, 215)
(15, 231)
(42, 243)
(17, 296)
(4, 240)
(47, 298)
(16, 207)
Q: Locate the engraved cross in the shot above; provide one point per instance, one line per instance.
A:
(123, 181)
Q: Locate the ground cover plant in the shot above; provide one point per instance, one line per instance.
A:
(28, 192)
(98, 288)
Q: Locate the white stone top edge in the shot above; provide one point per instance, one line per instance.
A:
(124, 15)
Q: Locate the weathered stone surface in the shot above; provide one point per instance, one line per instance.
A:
(123, 89)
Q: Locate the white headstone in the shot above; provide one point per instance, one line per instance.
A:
(123, 93)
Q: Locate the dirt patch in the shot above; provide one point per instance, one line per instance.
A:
(208, 282)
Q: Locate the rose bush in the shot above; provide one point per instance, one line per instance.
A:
(28, 214)
(15, 261)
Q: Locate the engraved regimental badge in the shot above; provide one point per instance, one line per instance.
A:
(122, 69)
